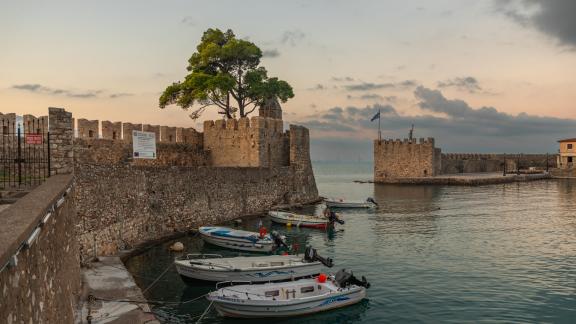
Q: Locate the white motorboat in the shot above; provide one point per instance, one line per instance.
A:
(287, 218)
(341, 203)
(293, 298)
(256, 269)
(241, 240)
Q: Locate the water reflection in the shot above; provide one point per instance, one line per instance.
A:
(502, 253)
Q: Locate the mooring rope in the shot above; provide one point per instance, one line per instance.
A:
(154, 302)
(155, 281)
(205, 312)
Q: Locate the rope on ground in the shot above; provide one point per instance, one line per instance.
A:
(205, 312)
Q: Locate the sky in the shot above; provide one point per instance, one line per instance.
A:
(479, 76)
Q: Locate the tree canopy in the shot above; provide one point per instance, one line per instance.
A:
(225, 72)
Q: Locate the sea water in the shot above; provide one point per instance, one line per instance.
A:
(433, 254)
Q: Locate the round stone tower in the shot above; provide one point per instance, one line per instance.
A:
(270, 109)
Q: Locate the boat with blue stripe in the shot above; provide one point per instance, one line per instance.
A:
(241, 240)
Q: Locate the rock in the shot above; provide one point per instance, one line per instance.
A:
(177, 247)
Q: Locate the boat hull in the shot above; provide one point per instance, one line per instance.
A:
(298, 220)
(266, 309)
(192, 274)
(237, 244)
(342, 204)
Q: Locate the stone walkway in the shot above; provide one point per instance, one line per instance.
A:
(108, 280)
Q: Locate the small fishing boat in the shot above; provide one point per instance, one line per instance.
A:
(293, 298)
(241, 240)
(341, 203)
(287, 218)
(255, 269)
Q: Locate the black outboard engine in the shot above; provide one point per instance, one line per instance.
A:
(371, 200)
(333, 218)
(345, 279)
(311, 255)
(280, 240)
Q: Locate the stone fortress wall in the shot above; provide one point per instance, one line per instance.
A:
(255, 142)
(233, 168)
(407, 158)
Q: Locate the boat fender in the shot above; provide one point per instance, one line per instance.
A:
(262, 232)
(177, 247)
(322, 278)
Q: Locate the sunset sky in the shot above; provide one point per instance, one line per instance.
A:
(480, 76)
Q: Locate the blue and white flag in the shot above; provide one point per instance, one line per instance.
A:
(375, 116)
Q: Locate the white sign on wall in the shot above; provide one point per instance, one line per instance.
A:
(144, 145)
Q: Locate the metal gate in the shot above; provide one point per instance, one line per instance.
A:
(24, 154)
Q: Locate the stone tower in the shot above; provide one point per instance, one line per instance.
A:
(270, 109)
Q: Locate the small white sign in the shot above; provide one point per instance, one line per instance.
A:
(144, 145)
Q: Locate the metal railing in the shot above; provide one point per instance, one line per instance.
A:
(24, 154)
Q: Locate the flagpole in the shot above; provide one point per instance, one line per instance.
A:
(379, 132)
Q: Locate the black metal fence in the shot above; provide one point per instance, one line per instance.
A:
(24, 154)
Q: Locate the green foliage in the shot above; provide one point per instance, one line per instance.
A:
(222, 71)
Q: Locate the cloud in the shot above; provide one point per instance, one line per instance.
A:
(368, 96)
(368, 86)
(120, 95)
(326, 126)
(469, 84)
(554, 18)
(38, 88)
(318, 87)
(271, 53)
(84, 94)
(188, 21)
(292, 37)
(342, 79)
(456, 125)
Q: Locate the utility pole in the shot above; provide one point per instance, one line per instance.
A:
(411, 133)
(504, 174)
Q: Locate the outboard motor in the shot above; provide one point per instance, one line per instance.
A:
(280, 240)
(345, 279)
(371, 200)
(333, 218)
(311, 255)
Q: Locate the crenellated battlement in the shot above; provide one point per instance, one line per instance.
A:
(405, 158)
(469, 156)
(256, 141)
(122, 131)
(406, 141)
(245, 123)
(31, 124)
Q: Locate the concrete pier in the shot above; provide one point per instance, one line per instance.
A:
(109, 282)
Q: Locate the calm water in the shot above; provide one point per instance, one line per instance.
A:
(502, 253)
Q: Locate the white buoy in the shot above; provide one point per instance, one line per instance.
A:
(177, 247)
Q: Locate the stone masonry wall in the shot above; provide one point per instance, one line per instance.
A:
(255, 142)
(405, 159)
(125, 205)
(106, 151)
(43, 286)
(61, 141)
(453, 163)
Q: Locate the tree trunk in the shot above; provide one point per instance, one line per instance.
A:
(228, 114)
